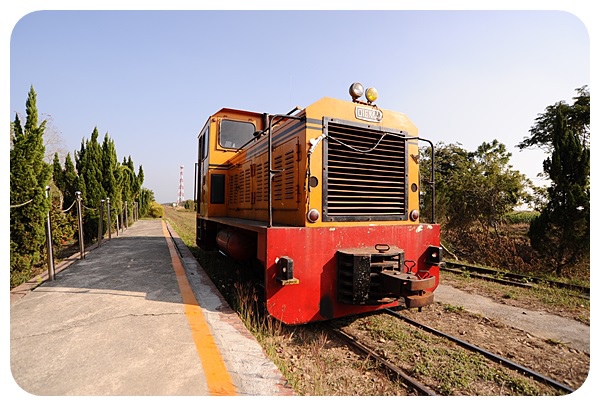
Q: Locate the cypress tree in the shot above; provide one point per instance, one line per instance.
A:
(58, 177)
(29, 176)
(140, 177)
(146, 197)
(89, 165)
(110, 170)
(562, 230)
(71, 181)
(128, 184)
(92, 171)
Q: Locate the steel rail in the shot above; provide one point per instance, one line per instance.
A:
(514, 276)
(389, 366)
(494, 357)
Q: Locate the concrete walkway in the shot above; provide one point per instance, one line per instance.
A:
(118, 323)
(541, 324)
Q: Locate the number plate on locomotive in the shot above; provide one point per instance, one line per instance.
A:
(368, 114)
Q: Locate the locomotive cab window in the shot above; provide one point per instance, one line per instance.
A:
(203, 146)
(234, 134)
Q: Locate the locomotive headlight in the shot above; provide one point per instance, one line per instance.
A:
(313, 215)
(414, 215)
(371, 94)
(356, 90)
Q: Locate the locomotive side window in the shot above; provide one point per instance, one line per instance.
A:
(234, 134)
(203, 146)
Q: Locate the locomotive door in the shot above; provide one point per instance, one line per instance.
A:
(286, 191)
(202, 191)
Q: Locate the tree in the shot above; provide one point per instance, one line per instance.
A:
(29, 176)
(477, 187)
(58, 175)
(140, 176)
(562, 231)
(110, 174)
(128, 184)
(70, 182)
(146, 198)
(53, 141)
(577, 116)
(449, 159)
(89, 167)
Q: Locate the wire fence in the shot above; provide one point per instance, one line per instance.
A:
(121, 223)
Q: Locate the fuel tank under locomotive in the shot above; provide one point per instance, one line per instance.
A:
(237, 244)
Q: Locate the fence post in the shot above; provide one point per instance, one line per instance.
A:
(108, 217)
(126, 219)
(80, 221)
(100, 231)
(49, 240)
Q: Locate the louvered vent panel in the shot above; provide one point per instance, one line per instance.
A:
(233, 188)
(364, 186)
(290, 185)
(277, 179)
(247, 184)
(262, 178)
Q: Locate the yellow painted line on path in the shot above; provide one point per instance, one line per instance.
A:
(218, 379)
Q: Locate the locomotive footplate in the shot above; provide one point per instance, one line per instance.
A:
(371, 276)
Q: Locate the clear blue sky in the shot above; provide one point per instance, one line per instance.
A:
(150, 78)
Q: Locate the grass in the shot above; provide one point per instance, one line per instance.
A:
(521, 217)
(453, 309)
(444, 366)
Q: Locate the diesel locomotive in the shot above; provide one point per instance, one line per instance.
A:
(324, 200)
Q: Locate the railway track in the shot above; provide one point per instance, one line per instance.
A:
(392, 370)
(510, 278)
(489, 355)
(397, 373)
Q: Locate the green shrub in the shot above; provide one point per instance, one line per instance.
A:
(156, 210)
(189, 205)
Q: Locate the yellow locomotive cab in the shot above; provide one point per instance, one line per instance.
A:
(234, 181)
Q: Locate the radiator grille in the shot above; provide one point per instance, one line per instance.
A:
(363, 186)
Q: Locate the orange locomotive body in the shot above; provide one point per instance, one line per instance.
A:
(325, 200)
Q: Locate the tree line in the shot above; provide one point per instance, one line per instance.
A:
(95, 172)
(476, 191)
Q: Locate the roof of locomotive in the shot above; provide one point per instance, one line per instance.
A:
(392, 118)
